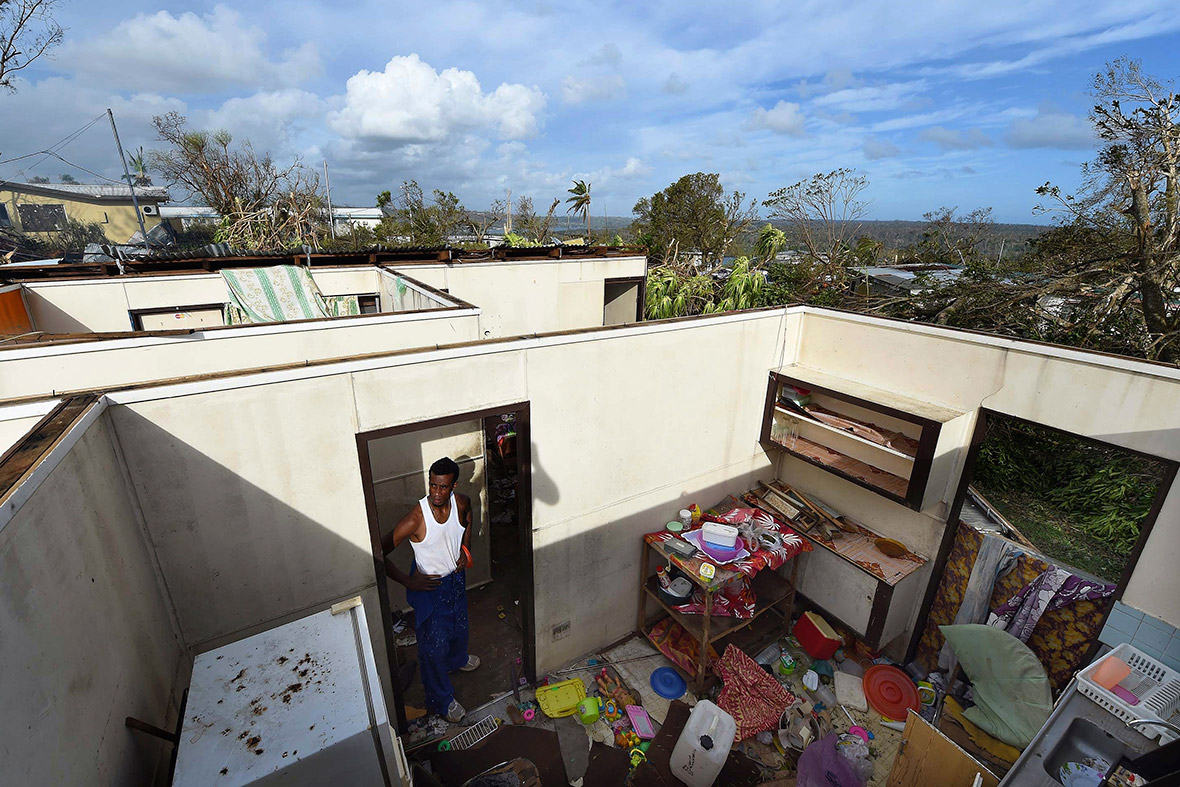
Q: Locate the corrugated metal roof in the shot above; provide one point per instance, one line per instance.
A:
(92, 190)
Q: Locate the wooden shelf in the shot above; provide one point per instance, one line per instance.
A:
(842, 433)
(861, 473)
(768, 586)
(857, 392)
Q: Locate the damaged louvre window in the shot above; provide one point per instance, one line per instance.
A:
(42, 218)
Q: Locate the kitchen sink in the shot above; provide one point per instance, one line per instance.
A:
(1083, 741)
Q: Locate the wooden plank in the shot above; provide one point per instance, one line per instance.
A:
(925, 756)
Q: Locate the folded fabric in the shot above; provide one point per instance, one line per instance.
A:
(753, 698)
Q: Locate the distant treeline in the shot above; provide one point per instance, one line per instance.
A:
(894, 235)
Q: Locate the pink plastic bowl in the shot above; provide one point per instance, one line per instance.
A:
(721, 554)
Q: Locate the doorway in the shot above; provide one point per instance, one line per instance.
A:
(491, 448)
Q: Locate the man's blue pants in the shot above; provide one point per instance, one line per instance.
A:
(440, 621)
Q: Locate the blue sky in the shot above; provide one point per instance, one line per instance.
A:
(938, 103)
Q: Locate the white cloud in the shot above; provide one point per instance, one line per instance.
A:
(875, 149)
(410, 102)
(580, 91)
(876, 98)
(1050, 129)
(186, 53)
(953, 139)
(783, 118)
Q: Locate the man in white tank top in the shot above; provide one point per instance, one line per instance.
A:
(439, 530)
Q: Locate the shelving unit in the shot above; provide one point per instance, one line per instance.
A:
(880, 440)
(773, 592)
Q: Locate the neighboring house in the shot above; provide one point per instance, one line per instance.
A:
(183, 217)
(41, 209)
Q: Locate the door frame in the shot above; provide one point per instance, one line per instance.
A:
(524, 518)
(640, 293)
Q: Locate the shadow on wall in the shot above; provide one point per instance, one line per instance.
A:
(241, 550)
(52, 319)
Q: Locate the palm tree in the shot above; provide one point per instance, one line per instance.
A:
(770, 242)
(137, 163)
(581, 203)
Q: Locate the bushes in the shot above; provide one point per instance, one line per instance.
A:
(1106, 492)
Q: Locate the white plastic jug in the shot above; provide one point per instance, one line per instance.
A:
(703, 745)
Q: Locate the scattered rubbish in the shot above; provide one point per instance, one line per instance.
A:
(406, 640)
(818, 638)
(850, 691)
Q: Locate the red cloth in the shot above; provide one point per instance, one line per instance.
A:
(753, 698)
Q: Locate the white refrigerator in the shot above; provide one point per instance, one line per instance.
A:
(300, 704)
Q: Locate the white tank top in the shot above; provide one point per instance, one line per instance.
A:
(438, 552)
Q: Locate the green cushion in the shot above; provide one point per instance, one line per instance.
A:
(1011, 690)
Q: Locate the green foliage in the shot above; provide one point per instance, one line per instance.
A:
(694, 214)
(514, 241)
(40, 179)
(672, 292)
(579, 203)
(771, 241)
(355, 237)
(415, 221)
(1104, 491)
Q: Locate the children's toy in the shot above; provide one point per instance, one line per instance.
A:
(588, 710)
(637, 756)
(558, 700)
(627, 739)
(611, 688)
(611, 711)
(529, 714)
(641, 722)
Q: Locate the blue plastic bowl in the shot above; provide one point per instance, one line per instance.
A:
(667, 682)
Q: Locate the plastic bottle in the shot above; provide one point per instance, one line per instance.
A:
(703, 745)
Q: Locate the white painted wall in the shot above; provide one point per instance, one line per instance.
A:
(1128, 403)
(531, 296)
(86, 635)
(253, 495)
(32, 370)
(102, 304)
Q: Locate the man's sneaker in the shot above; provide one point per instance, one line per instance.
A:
(455, 712)
(472, 663)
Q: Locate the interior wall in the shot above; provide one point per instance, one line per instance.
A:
(1121, 401)
(253, 495)
(621, 303)
(87, 637)
(103, 304)
(346, 281)
(34, 370)
(400, 465)
(531, 296)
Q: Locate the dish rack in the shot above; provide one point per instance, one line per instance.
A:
(474, 734)
(1158, 692)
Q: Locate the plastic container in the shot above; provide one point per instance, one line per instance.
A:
(685, 518)
(703, 746)
(678, 592)
(719, 535)
(721, 554)
(588, 710)
(674, 527)
(816, 636)
(1158, 690)
(1110, 672)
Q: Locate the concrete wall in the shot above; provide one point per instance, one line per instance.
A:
(117, 219)
(32, 370)
(531, 296)
(104, 304)
(253, 495)
(1120, 401)
(87, 637)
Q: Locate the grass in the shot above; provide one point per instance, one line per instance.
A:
(1057, 536)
